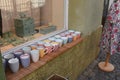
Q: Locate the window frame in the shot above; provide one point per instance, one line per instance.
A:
(66, 6)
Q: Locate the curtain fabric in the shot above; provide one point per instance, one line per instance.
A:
(110, 41)
(12, 8)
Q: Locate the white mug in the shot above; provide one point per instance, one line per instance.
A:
(35, 55)
(14, 64)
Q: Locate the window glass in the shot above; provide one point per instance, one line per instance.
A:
(26, 20)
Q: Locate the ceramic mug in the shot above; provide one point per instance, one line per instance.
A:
(67, 33)
(18, 54)
(14, 64)
(47, 41)
(41, 51)
(60, 41)
(40, 43)
(26, 49)
(48, 48)
(62, 35)
(65, 40)
(70, 39)
(4, 63)
(33, 46)
(55, 46)
(71, 31)
(52, 38)
(8, 56)
(25, 60)
(74, 37)
(57, 36)
(78, 34)
(34, 55)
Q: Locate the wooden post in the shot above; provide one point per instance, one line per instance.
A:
(107, 59)
(106, 66)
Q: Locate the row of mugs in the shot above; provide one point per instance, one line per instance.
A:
(39, 49)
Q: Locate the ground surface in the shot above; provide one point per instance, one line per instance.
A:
(92, 72)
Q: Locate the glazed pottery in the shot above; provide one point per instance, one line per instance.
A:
(78, 34)
(34, 55)
(26, 49)
(33, 46)
(18, 54)
(8, 56)
(25, 60)
(4, 63)
(65, 40)
(47, 41)
(41, 51)
(71, 31)
(40, 43)
(60, 41)
(14, 64)
(74, 37)
(48, 48)
(70, 39)
(52, 38)
(55, 46)
(57, 36)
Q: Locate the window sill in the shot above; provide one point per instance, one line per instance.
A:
(34, 66)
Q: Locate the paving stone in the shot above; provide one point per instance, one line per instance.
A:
(92, 72)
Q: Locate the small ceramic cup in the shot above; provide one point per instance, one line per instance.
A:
(48, 48)
(4, 63)
(65, 40)
(14, 64)
(67, 33)
(33, 46)
(74, 37)
(55, 46)
(60, 41)
(52, 38)
(34, 55)
(40, 43)
(25, 60)
(47, 41)
(78, 34)
(26, 50)
(18, 54)
(70, 39)
(57, 36)
(71, 31)
(8, 56)
(62, 35)
(41, 51)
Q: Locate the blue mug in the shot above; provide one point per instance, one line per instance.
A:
(25, 60)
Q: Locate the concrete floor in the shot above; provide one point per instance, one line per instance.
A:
(92, 72)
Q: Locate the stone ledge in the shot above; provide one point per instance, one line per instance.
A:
(34, 66)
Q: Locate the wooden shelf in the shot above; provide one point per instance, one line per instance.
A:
(34, 66)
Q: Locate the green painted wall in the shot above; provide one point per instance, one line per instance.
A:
(85, 15)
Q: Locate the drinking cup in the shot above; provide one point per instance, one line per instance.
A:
(14, 64)
(60, 41)
(34, 55)
(26, 49)
(41, 51)
(65, 40)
